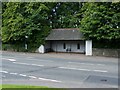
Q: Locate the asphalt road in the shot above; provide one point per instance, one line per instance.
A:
(59, 70)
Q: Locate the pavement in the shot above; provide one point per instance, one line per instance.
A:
(59, 70)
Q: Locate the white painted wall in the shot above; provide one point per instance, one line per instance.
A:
(88, 46)
(74, 46)
(58, 46)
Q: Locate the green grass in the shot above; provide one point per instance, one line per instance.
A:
(26, 87)
(20, 86)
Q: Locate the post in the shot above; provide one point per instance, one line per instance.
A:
(88, 47)
(26, 46)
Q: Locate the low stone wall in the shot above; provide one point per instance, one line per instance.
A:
(105, 52)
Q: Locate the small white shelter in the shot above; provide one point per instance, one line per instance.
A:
(67, 40)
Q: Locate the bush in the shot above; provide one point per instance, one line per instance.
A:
(18, 47)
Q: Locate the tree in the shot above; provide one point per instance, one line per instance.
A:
(64, 15)
(98, 21)
(101, 21)
(21, 19)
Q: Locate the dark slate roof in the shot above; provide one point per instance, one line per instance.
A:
(65, 34)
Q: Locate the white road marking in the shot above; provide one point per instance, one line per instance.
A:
(36, 65)
(32, 77)
(82, 69)
(55, 81)
(74, 68)
(23, 75)
(14, 73)
(28, 64)
(49, 80)
(3, 71)
(86, 63)
(99, 71)
(11, 60)
(21, 63)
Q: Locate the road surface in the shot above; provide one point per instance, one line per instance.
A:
(59, 70)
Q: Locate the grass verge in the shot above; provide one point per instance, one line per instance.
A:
(20, 86)
(26, 87)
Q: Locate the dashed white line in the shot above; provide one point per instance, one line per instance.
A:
(11, 60)
(3, 71)
(14, 73)
(32, 77)
(44, 79)
(74, 68)
(99, 71)
(21, 63)
(55, 81)
(23, 75)
(86, 63)
(49, 80)
(82, 69)
(36, 65)
(28, 64)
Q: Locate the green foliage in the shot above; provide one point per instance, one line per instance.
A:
(104, 43)
(13, 47)
(101, 21)
(35, 20)
(25, 19)
(97, 21)
(63, 15)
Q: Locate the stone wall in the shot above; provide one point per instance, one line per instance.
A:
(105, 52)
